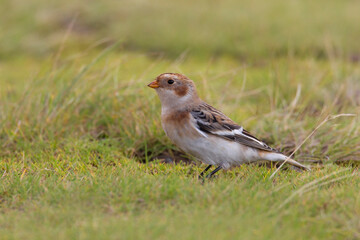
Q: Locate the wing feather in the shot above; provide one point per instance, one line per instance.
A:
(214, 122)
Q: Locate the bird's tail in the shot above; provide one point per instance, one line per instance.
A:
(278, 157)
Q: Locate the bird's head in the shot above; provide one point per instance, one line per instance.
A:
(174, 89)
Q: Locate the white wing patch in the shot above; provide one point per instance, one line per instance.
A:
(238, 132)
(253, 139)
(229, 133)
(196, 126)
(201, 132)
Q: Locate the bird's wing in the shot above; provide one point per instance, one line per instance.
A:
(214, 122)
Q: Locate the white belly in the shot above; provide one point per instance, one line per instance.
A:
(207, 148)
(214, 150)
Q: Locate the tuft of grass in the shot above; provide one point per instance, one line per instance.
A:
(106, 99)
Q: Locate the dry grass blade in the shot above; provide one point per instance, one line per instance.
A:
(65, 37)
(328, 118)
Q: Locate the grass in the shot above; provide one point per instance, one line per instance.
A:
(131, 200)
(77, 121)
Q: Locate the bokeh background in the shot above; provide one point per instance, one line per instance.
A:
(243, 29)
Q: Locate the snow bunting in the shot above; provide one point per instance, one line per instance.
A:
(206, 133)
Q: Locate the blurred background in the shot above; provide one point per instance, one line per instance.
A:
(244, 29)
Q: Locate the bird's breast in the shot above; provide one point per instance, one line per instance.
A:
(179, 127)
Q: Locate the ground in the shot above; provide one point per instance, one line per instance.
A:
(82, 151)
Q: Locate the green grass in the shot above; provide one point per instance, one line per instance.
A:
(77, 120)
(120, 198)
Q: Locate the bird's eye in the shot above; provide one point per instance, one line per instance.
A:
(170, 81)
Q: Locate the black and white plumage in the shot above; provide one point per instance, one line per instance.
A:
(212, 121)
(203, 131)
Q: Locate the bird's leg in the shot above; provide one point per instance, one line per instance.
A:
(213, 172)
(205, 170)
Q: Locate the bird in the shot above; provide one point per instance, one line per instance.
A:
(206, 133)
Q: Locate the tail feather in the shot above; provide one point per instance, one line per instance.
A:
(296, 164)
(277, 157)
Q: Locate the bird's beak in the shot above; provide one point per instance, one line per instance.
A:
(154, 84)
